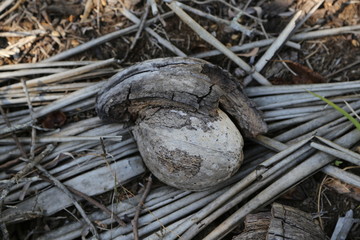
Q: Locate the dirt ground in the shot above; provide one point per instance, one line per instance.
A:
(38, 29)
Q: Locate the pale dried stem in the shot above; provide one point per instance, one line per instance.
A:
(65, 101)
(308, 15)
(237, 27)
(139, 207)
(324, 33)
(28, 72)
(295, 175)
(44, 139)
(61, 186)
(296, 37)
(33, 120)
(244, 47)
(5, 4)
(45, 65)
(61, 76)
(161, 40)
(277, 44)
(13, 135)
(154, 8)
(87, 10)
(101, 40)
(342, 175)
(216, 43)
(141, 26)
(13, 8)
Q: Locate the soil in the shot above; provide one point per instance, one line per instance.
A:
(54, 26)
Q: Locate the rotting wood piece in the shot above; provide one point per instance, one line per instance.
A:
(177, 106)
(283, 222)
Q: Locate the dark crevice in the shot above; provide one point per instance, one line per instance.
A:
(201, 98)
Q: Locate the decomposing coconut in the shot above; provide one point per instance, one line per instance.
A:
(186, 114)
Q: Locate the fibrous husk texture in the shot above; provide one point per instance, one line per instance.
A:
(185, 83)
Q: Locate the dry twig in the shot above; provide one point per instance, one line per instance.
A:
(141, 26)
(161, 40)
(13, 135)
(62, 75)
(139, 207)
(101, 40)
(216, 43)
(276, 45)
(61, 186)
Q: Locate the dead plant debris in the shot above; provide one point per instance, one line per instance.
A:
(55, 153)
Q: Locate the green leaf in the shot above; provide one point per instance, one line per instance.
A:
(338, 163)
(339, 109)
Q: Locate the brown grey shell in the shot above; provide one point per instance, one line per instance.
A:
(186, 114)
(189, 150)
(188, 83)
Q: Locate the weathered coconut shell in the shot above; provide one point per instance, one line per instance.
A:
(185, 113)
(187, 83)
(188, 150)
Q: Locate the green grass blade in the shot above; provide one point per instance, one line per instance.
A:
(339, 109)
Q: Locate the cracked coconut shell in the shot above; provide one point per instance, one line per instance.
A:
(186, 114)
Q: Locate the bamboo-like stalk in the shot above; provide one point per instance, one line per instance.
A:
(20, 66)
(157, 198)
(278, 43)
(61, 139)
(235, 189)
(299, 173)
(61, 75)
(296, 37)
(301, 88)
(216, 43)
(342, 175)
(29, 72)
(340, 154)
(245, 47)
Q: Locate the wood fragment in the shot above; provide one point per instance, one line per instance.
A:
(212, 88)
(288, 222)
(281, 223)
